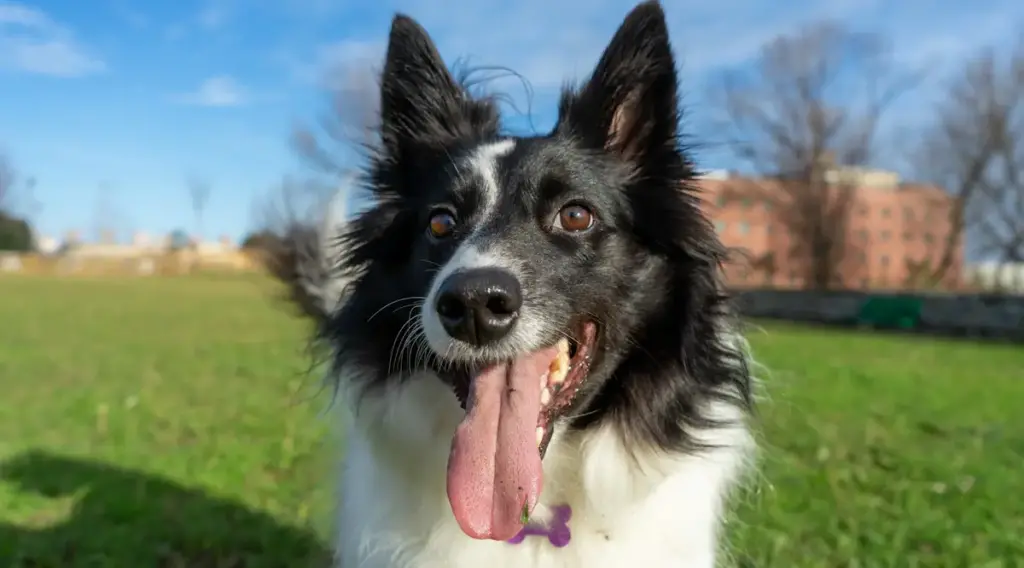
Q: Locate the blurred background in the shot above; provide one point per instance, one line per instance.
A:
(864, 161)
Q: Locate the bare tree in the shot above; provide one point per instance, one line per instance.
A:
(296, 227)
(8, 179)
(15, 193)
(351, 122)
(199, 193)
(802, 121)
(289, 202)
(973, 150)
(110, 221)
(16, 206)
(997, 214)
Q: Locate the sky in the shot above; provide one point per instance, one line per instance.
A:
(112, 105)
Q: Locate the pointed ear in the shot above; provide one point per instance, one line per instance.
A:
(421, 103)
(629, 106)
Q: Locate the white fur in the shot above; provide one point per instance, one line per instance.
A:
(484, 163)
(656, 511)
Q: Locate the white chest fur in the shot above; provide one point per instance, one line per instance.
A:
(648, 509)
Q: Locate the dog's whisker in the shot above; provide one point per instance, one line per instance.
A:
(567, 335)
(411, 349)
(571, 417)
(395, 359)
(393, 302)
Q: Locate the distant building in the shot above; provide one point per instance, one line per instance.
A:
(893, 227)
(47, 245)
(142, 245)
(996, 276)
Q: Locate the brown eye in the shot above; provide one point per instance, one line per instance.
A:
(442, 223)
(574, 219)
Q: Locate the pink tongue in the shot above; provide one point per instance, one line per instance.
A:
(494, 469)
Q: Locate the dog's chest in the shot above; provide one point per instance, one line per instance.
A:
(394, 511)
(594, 543)
(411, 529)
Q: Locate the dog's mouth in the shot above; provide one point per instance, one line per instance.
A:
(559, 384)
(494, 469)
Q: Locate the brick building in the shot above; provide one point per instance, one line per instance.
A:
(893, 226)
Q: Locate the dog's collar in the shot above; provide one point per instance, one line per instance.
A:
(556, 529)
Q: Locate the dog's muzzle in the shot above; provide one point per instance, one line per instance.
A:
(479, 306)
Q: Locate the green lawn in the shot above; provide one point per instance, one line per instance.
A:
(170, 422)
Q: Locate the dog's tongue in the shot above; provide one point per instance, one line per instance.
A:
(494, 469)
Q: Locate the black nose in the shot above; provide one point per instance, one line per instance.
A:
(479, 306)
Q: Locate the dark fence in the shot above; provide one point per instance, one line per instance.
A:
(974, 315)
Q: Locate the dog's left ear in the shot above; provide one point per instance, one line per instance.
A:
(629, 107)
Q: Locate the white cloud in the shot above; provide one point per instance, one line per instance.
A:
(32, 42)
(219, 91)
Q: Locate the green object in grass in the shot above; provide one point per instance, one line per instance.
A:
(525, 518)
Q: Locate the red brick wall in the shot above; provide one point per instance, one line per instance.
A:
(887, 227)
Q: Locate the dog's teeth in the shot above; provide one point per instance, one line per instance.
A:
(545, 397)
(540, 435)
(559, 368)
(563, 345)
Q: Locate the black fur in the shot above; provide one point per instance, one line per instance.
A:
(648, 273)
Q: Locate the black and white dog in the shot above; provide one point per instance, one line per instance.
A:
(538, 363)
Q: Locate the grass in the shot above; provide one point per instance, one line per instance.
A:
(168, 422)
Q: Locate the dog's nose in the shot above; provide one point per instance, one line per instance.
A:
(479, 306)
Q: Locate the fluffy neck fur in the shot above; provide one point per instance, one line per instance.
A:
(661, 510)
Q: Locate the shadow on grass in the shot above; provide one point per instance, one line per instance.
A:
(124, 518)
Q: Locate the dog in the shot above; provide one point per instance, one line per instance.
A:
(534, 352)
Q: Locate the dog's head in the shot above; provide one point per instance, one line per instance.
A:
(551, 281)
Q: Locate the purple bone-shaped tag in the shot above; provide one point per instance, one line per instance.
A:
(557, 530)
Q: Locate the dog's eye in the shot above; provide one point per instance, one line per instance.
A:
(442, 223)
(574, 218)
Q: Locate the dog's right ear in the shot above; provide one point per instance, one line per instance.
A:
(421, 103)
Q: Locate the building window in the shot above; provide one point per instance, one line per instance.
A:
(908, 214)
(863, 210)
(885, 260)
(768, 229)
(908, 236)
(928, 238)
(863, 235)
(885, 212)
(885, 236)
(744, 228)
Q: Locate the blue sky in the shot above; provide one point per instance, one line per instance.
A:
(112, 104)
